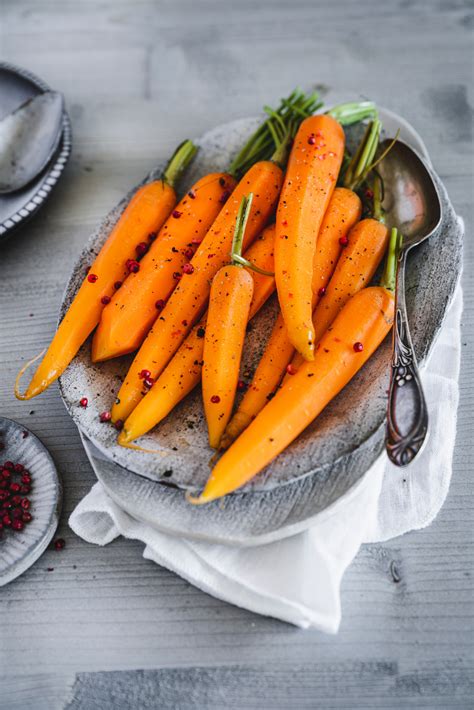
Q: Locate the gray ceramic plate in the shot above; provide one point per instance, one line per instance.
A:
(350, 429)
(16, 86)
(321, 466)
(18, 551)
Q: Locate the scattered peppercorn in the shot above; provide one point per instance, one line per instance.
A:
(141, 249)
(13, 508)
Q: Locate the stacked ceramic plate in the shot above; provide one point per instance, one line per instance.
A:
(17, 86)
(325, 463)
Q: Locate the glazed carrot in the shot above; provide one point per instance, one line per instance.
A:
(188, 301)
(313, 168)
(136, 305)
(358, 330)
(367, 243)
(343, 212)
(145, 213)
(229, 306)
(183, 372)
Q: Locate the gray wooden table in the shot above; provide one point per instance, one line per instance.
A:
(107, 629)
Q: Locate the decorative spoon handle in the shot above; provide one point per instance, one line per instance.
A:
(406, 401)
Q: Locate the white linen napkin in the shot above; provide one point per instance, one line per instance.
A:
(298, 579)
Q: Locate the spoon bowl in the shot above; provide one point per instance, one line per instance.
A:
(29, 137)
(411, 200)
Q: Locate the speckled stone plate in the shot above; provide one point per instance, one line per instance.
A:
(19, 550)
(334, 452)
(16, 86)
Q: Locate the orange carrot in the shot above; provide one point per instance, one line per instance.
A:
(145, 213)
(313, 168)
(367, 243)
(136, 305)
(188, 301)
(227, 318)
(183, 372)
(343, 212)
(353, 337)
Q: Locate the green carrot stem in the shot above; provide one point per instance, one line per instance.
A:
(394, 247)
(240, 226)
(377, 189)
(273, 131)
(245, 262)
(361, 163)
(353, 112)
(179, 161)
(282, 151)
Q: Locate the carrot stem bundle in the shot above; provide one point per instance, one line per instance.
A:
(354, 336)
(145, 213)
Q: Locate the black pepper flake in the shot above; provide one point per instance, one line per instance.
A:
(201, 332)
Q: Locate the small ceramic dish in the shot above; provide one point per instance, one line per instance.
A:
(19, 550)
(16, 86)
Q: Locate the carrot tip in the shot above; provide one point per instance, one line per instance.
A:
(16, 389)
(128, 445)
(197, 500)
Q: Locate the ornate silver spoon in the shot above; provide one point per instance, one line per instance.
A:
(411, 203)
(28, 139)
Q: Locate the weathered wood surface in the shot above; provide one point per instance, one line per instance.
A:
(137, 77)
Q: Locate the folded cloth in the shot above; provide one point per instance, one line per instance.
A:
(298, 579)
